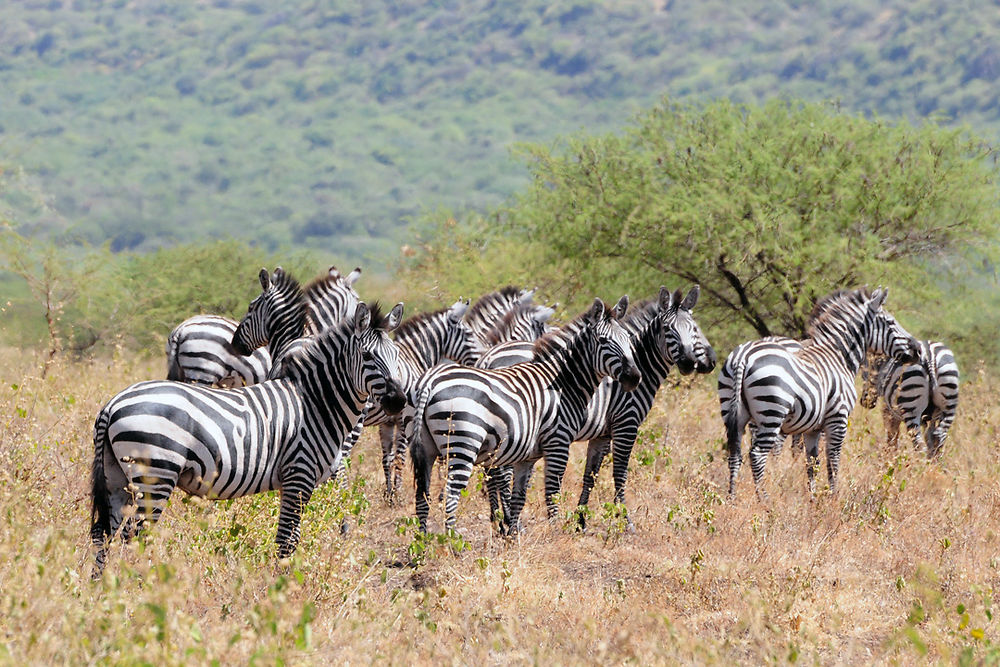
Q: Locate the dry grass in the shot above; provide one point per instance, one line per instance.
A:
(899, 567)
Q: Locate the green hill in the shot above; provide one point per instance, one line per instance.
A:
(331, 124)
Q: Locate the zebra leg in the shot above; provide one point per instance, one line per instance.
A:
(734, 436)
(835, 431)
(401, 445)
(423, 466)
(497, 486)
(622, 444)
(761, 445)
(938, 431)
(891, 426)
(810, 443)
(522, 477)
(386, 434)
(460, 466)
(597, 449)
(915, 430)
(556, 458)
(295, 493)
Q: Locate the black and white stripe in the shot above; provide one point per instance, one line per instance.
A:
(283, 434)
(490, 309)
(200, 350)
(922, 395)
(663, 334)
(810, 391)
(424, 341)
(518, 414)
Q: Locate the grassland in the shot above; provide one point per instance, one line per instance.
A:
(899, 567)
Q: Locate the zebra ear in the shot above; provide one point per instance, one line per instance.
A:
(666, 300)
(395, 317)
(543, 314)
(525, 296)
(620, 308)
(457, 311)
(692, 298)
(353, 276)
(362, 318)
(878, 298)
(334, 273)
(596, 311)
(265, 279)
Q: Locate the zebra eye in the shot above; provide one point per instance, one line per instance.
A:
(366, 355)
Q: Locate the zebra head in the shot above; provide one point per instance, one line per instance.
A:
(869, 379)
(885, 335)
(379, 370)
(683, 343)
(460, 343)
(614, 345)
(279, 311)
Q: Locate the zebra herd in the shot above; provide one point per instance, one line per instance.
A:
(278, 400)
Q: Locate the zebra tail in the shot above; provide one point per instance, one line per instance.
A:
(417, 454)
(174, 370)
(932, 374)
(731, 418)
(100, 509)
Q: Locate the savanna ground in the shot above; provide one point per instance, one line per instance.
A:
(899, 567)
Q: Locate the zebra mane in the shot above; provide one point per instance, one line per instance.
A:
(502, 297)
(325, 282)
(496, 334)
(379, 319)
(640, 314)
(284, 283)
(833, 306)
(416, 322)
(557, 342)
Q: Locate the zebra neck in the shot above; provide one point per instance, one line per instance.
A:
(847, 345)
(653, 367)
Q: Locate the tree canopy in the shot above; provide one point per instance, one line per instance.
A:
(768, 208)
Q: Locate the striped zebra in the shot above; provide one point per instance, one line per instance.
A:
(810, 391)
(523, 321)
(923, 395)
(490, 309)
(200, 350)
(663, 334)
(518, 414)
(424, 341)
(281, 434)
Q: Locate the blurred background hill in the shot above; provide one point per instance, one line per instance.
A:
(332, 125)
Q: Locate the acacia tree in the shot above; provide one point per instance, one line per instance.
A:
(767, 208)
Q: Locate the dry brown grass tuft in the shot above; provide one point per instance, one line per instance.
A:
(899, 567)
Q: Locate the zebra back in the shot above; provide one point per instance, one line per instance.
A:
(199, 350)
(491, 308)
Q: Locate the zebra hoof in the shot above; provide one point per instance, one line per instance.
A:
(345, 527)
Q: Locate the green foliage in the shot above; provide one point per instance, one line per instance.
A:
(767, 208)
(332, 124)
(84, 296)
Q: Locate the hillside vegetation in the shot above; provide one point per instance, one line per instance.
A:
(330, 124)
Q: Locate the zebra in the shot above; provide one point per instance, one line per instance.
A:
(199, 348)
(923, 395)
(424, 341)
(491, 308)
(282, 434)
(810, 391)
(523, 321)
(518, 414)
(663, 334)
